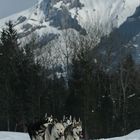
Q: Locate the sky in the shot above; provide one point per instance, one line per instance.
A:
(9, 7)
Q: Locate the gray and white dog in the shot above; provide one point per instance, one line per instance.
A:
(73, 130)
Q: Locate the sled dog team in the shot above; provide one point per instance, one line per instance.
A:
(50, 128)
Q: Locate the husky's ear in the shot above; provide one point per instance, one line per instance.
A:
(70, 118)
(64, 118)
(74, 121)
(80, 122)
(61, 121)
(73, 124)
(46, 115)
(52, 117)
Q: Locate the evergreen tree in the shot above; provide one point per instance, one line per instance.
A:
(9, 50)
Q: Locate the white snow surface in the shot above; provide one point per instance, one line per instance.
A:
(13, 136)
(135, 135)
(107, 13)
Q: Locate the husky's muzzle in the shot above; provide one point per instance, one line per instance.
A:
(60, 135)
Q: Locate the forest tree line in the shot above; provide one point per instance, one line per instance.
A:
(107, 102)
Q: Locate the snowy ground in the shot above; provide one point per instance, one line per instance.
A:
(135, 135)
(22, 136)
(13, 136)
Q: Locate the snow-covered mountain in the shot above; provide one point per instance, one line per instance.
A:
(50, 17)
(130, 31)
(123, 40)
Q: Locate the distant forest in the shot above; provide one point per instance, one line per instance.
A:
(108, 103)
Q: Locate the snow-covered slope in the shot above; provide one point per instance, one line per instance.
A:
(124, 40)
(132, 136)
(23, 136)
(51, 16)
(13, 136)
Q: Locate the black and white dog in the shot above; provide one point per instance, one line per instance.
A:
(36, 130)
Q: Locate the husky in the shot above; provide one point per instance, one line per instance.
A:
(55, 132)
(73, 131)
(67, 121)
(36, 130)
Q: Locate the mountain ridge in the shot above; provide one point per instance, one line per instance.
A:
(52, 16)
